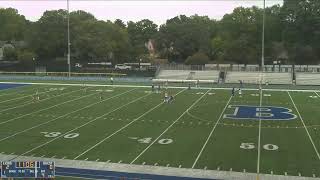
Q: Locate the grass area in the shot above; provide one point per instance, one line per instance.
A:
(266, 132)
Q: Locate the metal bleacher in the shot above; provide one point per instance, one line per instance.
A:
(249, 74)
(173, 74)
(303, 78)
(188, 75)
(231, 76)
(278, 77)
(245, 77)
(206, 75)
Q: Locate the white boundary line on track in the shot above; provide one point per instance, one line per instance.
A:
(136, 119)
(174, 122)
(307, 131)
(13, 119)
(210, 134)
(148, 86)
(75, 177)
(59, 117)
(259, 137)
(83, 124)
(21, 105)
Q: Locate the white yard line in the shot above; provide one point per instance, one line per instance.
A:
(21, 105)
(21, 97)
(210, 134)
(174, 122)
(13, 119)
(82, 124)
(7, 94)
(307, 131)
(59, 117)
(259, 137)
(125, 126)
(17, 91)
(317, 94)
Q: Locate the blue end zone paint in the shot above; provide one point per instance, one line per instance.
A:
(9, 86)
(99, 174)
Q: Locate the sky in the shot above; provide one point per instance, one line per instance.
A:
(157, 11)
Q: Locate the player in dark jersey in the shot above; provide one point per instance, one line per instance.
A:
(170, 99)
(101, 96)
(241, 84)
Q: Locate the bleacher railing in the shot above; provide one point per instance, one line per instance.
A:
(62, 74)
(243, 67)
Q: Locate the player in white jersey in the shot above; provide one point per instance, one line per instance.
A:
(166, 97)
(111, 80)
(240, 92)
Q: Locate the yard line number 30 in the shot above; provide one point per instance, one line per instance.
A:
(56, 134)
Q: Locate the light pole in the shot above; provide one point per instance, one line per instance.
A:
(263, 26)
(69, 63)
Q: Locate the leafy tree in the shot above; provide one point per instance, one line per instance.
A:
(197, 59)
(9, 54)
(12, 25)
(301, 23)
(183, 36)
(292, 32)
(279, 52)
(303, 54)
(139, 34)
(240, 36)
(217, 46)
(27, 60)
(48, 36)
(120, 23)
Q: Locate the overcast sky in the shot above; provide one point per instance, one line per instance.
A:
(157, 11)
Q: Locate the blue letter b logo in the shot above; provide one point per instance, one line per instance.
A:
(263, 113)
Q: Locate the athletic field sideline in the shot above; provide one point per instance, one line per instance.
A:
(264, 132)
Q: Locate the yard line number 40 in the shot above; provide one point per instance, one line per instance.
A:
(148, 140)
(269, 147)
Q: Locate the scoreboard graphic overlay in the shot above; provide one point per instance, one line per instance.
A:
(27, 169)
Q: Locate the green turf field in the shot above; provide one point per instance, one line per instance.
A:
(200, 129)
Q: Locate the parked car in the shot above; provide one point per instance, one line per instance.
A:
(122, 67)
(78, 65)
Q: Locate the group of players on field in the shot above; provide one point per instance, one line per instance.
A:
(167, 98)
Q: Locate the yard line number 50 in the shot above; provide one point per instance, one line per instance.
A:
(56, 134)
(269, 147)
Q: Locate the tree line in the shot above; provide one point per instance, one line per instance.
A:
(292, 35)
